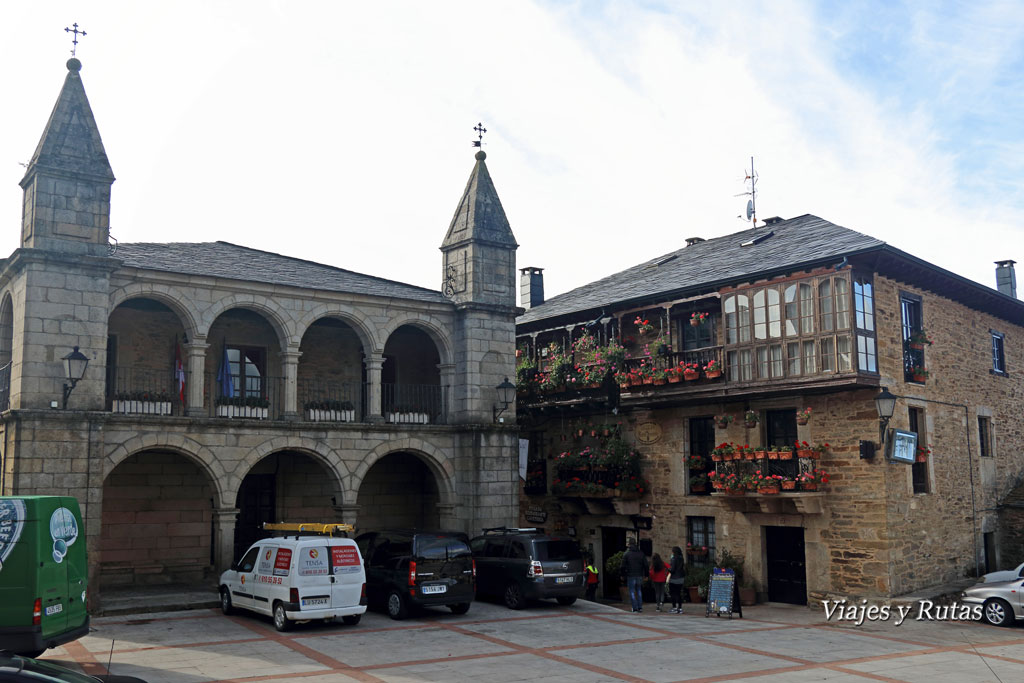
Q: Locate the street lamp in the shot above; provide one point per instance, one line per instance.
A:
(75, 364)
(506, 394)
(885, 404)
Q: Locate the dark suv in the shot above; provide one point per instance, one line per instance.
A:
(407, 568)
(519, 564)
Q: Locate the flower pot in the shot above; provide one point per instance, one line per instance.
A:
(712, 374)
(768, 490)
(921, 458)
(749, 424)
(690, 375)
(805, 453)
(750, 456)
(661, 381)
(919, 378)
(698, 488)
(695, 594)
(694, 322)
(916, 346)
(716, 458)
(788, 485)
(748, 597)
(785, 455)
(773, 455)
(802, 420)
(723, 424)
(809, 486)
(734, 492)
(675, 379)
(761, 455)
(648, 380)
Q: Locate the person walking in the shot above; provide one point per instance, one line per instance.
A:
(658, 574)
(592, 580)
(676, 579)
(634, 569)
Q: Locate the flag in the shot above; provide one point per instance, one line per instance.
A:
(227, 384)
(179, 371)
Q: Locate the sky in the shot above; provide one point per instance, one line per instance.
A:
(340, 132)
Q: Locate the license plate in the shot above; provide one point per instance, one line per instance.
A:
(315, 602)
(54, 609)
(564, 579)
(438, 588)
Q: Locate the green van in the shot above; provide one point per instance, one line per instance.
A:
(43, 573)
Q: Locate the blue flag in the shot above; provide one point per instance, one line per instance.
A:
(227, 384)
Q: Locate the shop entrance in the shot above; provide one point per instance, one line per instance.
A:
(613, 539)
(786, 566)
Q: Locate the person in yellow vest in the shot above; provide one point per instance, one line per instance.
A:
(592, 580)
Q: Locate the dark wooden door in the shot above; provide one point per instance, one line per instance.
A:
(787, 574)
(613, 539)
(256, 505)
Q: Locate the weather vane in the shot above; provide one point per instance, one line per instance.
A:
(751, 177)
(480, 130)
(74, 42)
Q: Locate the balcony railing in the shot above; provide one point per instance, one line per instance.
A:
(325, 401)
(143, 391)
(413, 403)
(252, 398)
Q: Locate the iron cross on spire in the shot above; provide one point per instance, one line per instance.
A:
(480, 130)
(74, 42)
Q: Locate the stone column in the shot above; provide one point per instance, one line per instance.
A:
(224, 523)
(447, 372)
(348, 513)
(374, 363)
(447, 517)
(290, 366)
(195, 387)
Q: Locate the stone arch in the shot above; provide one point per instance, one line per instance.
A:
(439, 464)
(352, 316)
(183, 445)
(325, 456)
(435, 328)
(279, 318)
(172, 297)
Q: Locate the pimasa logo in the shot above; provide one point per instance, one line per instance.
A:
(12, 521)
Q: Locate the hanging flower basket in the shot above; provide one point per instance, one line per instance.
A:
(802, 420)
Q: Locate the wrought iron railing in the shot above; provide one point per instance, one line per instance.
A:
(144, 391)
(326, 401)
(413, 403)
(254, 398)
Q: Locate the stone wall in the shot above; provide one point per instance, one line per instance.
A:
(398, 492)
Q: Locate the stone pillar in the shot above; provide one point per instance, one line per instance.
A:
(447, 517)
(348, 513)
(224, 523)
(447, 371)
(195, 387)
(290, 365)
(374, 364)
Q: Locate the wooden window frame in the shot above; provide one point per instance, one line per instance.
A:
(999, 353)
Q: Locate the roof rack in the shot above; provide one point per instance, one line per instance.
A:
(513, 530)
(318, 528)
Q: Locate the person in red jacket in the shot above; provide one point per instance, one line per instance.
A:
(658, 574)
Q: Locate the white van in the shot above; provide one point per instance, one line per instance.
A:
(299, 577)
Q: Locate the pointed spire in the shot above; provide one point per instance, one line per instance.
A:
(480, 216)
(71, 141)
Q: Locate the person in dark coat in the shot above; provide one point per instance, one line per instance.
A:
(634, 569)
(676, 580)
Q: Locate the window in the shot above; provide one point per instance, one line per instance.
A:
(920, 469)
(702, 441)
(248, 367)
(700, 533)
(780, 430)
(912, 322)
(998, 354)
(985, 436)
(697, 336)
(864, 308)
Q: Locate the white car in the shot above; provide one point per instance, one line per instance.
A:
(1005, 575)
(296, 579)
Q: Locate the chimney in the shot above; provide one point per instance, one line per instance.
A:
(531, 287)
(773, 220)
(690, 241)
(1006, 278)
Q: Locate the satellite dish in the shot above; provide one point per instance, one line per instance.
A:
(750, 208)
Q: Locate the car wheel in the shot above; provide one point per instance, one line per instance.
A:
(351, 619)
(396, 606)
(225, 601)
(459, 608)
(566, 600)
(281, 620)
(514, 596)
(998, 612)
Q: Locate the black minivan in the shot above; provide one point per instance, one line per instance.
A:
(407, 568)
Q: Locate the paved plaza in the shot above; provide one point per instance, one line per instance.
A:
(584, 643)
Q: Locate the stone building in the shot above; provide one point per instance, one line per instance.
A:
(807, 322)
(227, 386)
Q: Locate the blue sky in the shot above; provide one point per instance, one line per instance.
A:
(340, 131)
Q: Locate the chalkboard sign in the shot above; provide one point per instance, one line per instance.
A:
(723, 596)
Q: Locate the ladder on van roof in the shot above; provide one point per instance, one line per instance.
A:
(328, 529)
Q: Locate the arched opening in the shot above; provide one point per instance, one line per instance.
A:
(243, 367)
(411, 389)
(157, 521)
(144, 346)
(287, 486)
(399, 490)
(331, 375)
(6, 350)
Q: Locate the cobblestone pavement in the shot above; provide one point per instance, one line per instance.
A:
(586, 642)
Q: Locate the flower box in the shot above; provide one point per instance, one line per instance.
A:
(408, 418)
(761, 454)
(659, 381)
(749, 424)
(768, 490)
(697, 552)
(920, 458)
(809, 486)
(318, 415)
(712, 374)
(249, 412)
(690, 375)
(785, 455)
(142, 407)
(773, 455)
(674, 379)
(805, 453)
(802, 420)
(788, 485)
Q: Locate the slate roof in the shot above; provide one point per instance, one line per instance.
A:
(793, 243)
(479, 216)
(233, 262)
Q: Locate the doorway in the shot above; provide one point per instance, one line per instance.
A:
(786, 564)
(613, 540)
(256, 505)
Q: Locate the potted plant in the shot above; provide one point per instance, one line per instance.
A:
(748, 453)
(918, 340)
(696, 550)
(697, 579)
(695, 462)
(922, 453)
(785, 453)
(726, 560)
(803, 416)
(919, 373)
(723, 420)
(659, 377)
(713, 369)
(699, 318)
(803, 449)
(812, 480)
(769, 484)
(819, 450)
(699, 483)
(691, 371)
(788, 483)
(750, 419)
(674, 374)
(612, 568)
(643, 325)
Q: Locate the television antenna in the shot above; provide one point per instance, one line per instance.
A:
(751, 178)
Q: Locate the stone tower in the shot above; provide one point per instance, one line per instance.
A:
(479, 275)
(58, 280)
